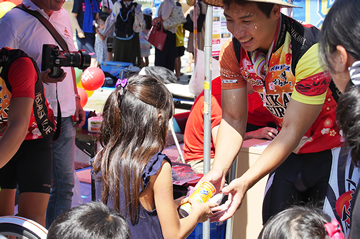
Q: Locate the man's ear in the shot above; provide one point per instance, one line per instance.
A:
(276, 11)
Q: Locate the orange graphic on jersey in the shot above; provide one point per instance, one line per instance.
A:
(5, 97)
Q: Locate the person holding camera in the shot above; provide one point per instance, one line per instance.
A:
(27, 125)
(84, 14)
(22, 30)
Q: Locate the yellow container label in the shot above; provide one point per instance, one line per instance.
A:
(202, 193)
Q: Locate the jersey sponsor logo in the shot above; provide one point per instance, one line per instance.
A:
(256, 82)
(283, 81)
(248, 65)
(280, 68)
(252, 77)
(343, 205)
(66, 33)
(314, 85)
(275, 105)
(4, 114)
(229, 81)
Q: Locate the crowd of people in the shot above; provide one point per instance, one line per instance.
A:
(302, 81)
(118, 31)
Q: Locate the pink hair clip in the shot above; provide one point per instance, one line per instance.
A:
(333, 229)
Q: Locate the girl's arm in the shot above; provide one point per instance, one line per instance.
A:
(102, 37)
(171, 224)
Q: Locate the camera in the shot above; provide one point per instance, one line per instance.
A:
(54, 59)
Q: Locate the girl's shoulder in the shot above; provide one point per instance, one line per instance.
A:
(153, 166)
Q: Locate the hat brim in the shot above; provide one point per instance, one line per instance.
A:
(219, 3)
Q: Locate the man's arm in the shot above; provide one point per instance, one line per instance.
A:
(297, 120)
(80, 115)
(18, 122)
(77, 26)
(230, 135)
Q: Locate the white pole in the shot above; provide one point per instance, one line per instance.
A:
(207, 102)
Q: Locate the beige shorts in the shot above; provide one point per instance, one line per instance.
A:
(198, 165)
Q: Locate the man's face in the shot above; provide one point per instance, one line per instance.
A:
(251, 26)
(56, 5)
(49, 5)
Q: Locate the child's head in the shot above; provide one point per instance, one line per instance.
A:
(134, 128)
(339, 48)
(137, 113)
(102, 19)
(336, 32)
(148, 17)
(91, 220)
(297, 222)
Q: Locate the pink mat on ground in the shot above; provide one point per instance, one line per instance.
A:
(84, 175)
(172, 152)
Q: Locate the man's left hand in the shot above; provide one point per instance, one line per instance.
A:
(80, 115)
(236, 191)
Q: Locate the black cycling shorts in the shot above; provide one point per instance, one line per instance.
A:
(300, 179)
(31, 167)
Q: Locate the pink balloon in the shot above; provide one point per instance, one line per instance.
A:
(92, 78)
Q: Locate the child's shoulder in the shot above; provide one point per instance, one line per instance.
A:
(155, 163)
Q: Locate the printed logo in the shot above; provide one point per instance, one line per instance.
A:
(314, 85)
(283, 81)
(281, 67)
(229, 81)
(343, 207)
(248, 65)
(271, 86)
(66, 33)
(275, 105)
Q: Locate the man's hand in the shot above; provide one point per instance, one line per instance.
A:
(80, 33)
(80, 115)
(156, 20)
(215, 177)
(262, 133)
(236, 191)
(45, 78)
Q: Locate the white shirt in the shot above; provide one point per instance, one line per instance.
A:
(20, 30)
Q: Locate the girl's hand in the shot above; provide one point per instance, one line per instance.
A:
(181, 200)
(202, 209)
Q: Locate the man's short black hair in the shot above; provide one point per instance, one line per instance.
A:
(264, 7)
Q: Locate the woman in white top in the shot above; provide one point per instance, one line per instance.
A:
(166, 57)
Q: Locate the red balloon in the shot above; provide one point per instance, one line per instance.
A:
(16, 2)
(92, 78)
(83, 96)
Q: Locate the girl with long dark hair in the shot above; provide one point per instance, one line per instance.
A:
(133, 176)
